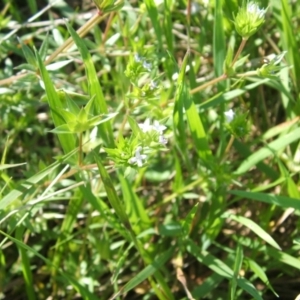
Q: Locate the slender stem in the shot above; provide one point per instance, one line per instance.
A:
(108, 26)
(11, 79)
(241, 47)
(228, 146)
(82, 31)
(247, 74)
(209, 83)
(80, 158)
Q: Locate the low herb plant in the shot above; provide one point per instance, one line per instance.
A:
(155, 174)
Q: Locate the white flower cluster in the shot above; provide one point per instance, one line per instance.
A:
(253, 8)
(139, 59)
(139, 158)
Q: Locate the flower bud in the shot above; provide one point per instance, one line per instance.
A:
(248, 19)
(269, 68)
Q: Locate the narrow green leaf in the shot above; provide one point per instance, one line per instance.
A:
(237, 267)
(81, 289)
(95, 89)
(244, 151)
(7, 166)
(197, 129)
(259, 272)
(67, 141)
(29, 56)
(188, 222)
(269, 150)
(111, 193)
(146, 272)
(153, 14)
(284, 257)
(24, 187)
(168, 26)
(290, 42)
(208, 285)
(284, 202)
(25, 263)
(220, 268)
(58, 65)
(249, 287)
(44, 48)
(63, 129)
(134, 207)
(193, 118)
(256, 229)
(231, 94)
(178, 120)
(219, 48)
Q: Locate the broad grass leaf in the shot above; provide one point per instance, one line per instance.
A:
(220, 268)
(256, 229)
(148, 271)
(269, 150)
(259, 272)
(282, 201)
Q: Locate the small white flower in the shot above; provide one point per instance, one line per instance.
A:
(153, 85)
(138, 158)
(146, 127)
(229, 115)
(137, 57)
(147, 66)
(159, 128)
(175, 76)
(254, 9)
(162, 140)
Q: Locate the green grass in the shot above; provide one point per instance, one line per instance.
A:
(94, 205)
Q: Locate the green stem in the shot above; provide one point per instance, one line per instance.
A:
(80, 158)
(247, 74)
(241, 47)
(209, 83)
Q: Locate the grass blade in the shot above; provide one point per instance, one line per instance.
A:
(269, 150)
(67, 141)
(220, 268)
(153, 14)
(95, 89)
(112, 194)
(284, 202)
(256, 229)
(146, 272)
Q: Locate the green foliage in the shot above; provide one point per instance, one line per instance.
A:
(156, 158)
